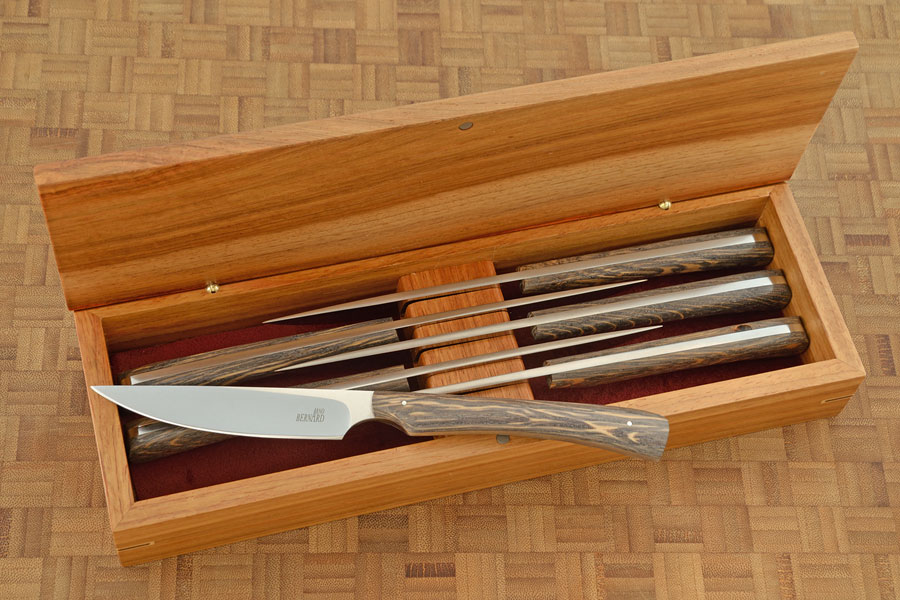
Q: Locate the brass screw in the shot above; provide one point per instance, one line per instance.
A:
(665, 205)
(212, 287)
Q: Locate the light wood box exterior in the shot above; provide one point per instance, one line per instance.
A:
(278, 219)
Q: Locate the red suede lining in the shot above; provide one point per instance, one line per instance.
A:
(246, 457)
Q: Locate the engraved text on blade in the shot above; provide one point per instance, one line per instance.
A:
(316, 416)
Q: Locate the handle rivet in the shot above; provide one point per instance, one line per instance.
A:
(466, 125)
(665, 205)
(212, 287)
(403, 403)
(502, 439)
(628, 423)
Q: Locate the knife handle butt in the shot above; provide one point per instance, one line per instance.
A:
(148, 439)
(756, 253)
(668, 355)
(653, 307)
(625, 431)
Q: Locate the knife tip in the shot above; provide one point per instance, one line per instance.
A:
(299, 315)
(278, 319)
(103, 390)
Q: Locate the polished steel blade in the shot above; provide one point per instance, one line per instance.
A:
(468, 311)
(578, 265)
(330, 335)
(247, 411)
(624, 356)
(469, 361)
(577, 313)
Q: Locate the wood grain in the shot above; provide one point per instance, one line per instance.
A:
(149, 439)
(465, 348)
(804, 511)
(236, 207)
(630, 432)
(631, 366)
(654, 307)
(256, 359)
(105, 418)
(754, 254)
(812, 294)
(398, 385)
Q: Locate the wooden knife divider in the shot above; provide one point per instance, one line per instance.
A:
(431, 355)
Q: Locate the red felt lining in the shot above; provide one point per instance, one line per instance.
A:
(240, 458)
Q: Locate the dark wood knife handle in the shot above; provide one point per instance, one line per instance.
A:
(258, 359)
(652, 307)
(626, 431)
(754, 254)
(664, 356)
(148, 439)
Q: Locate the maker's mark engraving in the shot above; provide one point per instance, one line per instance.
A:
(316, 416)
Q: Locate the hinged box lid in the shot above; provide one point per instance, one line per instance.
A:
(234, 207)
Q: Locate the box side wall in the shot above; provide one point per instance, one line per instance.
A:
(105, 417)
(813, 300)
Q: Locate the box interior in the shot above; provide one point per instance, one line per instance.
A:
(246, 457)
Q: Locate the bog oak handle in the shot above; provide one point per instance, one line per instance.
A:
(148, 439)
(257, 359)
(757, 252)
(786, 337)
(622, 430)
(746, 292)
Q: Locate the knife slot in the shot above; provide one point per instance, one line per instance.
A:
(467, 348)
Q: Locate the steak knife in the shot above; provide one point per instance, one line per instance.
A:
(724, 250)
(297, 413)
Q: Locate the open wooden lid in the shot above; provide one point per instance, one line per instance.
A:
(234, 207)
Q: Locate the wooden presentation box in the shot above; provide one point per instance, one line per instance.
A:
(314, 213)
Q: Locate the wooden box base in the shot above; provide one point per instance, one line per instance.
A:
(176, 523)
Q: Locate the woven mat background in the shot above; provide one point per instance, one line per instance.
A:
(809, 511)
